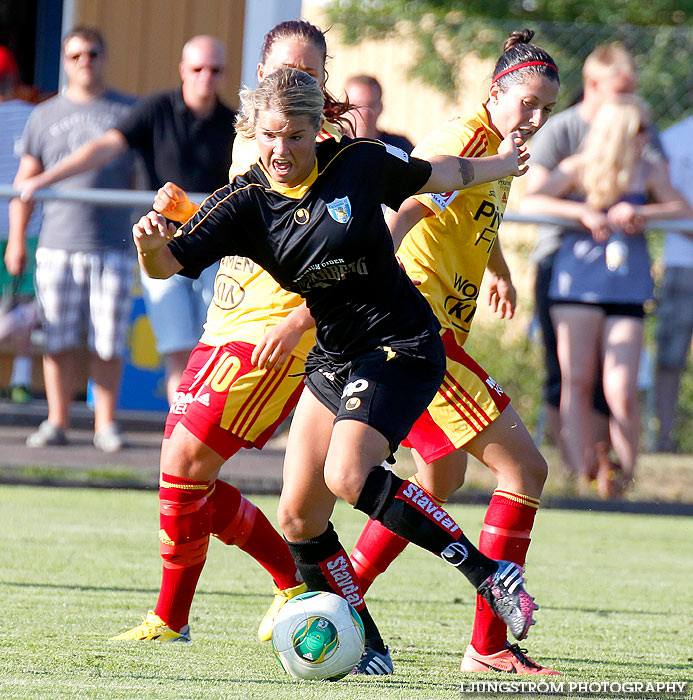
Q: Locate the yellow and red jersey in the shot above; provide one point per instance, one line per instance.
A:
(447, 252)
(247, 301)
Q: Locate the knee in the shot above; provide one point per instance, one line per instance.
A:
(344, 482)
(623, 404)
(537, 470)
(186, 456)
(579, 382)
(298, 523)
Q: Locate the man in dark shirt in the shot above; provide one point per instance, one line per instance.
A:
(366, 94)
(186, 136)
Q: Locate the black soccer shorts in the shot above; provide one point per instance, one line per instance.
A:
(385, 389)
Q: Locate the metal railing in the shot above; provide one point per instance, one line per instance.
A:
(132, 198)
(97, 196)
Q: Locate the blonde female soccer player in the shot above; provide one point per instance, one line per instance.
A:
(311, 215)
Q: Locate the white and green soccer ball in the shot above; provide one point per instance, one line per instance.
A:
(318, 635)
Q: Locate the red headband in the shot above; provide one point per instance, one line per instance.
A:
(526, 64)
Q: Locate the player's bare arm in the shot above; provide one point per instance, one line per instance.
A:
(502, 295)
(151, 235)
(402, 221)
(278, 343)
(453, 173)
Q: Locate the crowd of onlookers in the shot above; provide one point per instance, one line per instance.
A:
(600, 164)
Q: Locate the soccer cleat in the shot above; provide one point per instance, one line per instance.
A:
(153, 629)
(512, 659)
(264, 631)
(373, 663)
(508, 599)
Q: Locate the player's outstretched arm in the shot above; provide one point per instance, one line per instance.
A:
(453, 173)
(173, 203)
(151, 235)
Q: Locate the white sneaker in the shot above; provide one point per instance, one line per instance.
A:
(47, 435)
(109, 439)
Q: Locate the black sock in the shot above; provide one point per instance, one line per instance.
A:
(404, 508)
(325, 566)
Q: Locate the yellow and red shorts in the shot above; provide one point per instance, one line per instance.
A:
(227, 403)
(467, 402)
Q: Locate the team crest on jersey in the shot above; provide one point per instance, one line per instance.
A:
(301, 216)
(340, 209)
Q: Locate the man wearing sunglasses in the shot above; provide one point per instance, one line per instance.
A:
(84, 257)
(184, 135)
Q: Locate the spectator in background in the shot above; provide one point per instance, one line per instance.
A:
(608, 71)
(84, 261)
(366, 94)
(184, 135)
(17, 291)
(675, 310)
(601, 276)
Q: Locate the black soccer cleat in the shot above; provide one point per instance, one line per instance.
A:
(373, 663)
(508, 599)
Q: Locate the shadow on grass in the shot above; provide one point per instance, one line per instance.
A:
(126, 589)
(550, 661)
(287, 681)
(388, 601)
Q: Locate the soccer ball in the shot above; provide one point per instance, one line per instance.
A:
(318, 635)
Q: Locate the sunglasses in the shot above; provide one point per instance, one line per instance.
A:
(214, 70)
(92, 55)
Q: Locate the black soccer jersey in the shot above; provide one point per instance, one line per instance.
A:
(325, 239)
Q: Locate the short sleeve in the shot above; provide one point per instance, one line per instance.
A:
(402, 175)
(216, 230)
(31, 137)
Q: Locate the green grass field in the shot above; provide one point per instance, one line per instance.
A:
(80, 565)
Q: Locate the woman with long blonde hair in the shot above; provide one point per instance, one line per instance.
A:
(310, 214)
(601, 278)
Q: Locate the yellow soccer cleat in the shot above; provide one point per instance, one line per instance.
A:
(154, 629)
(264, 631)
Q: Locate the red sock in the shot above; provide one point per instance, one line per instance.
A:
(504, 535)
(378, 547)
(183, 540)
(235, 520)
